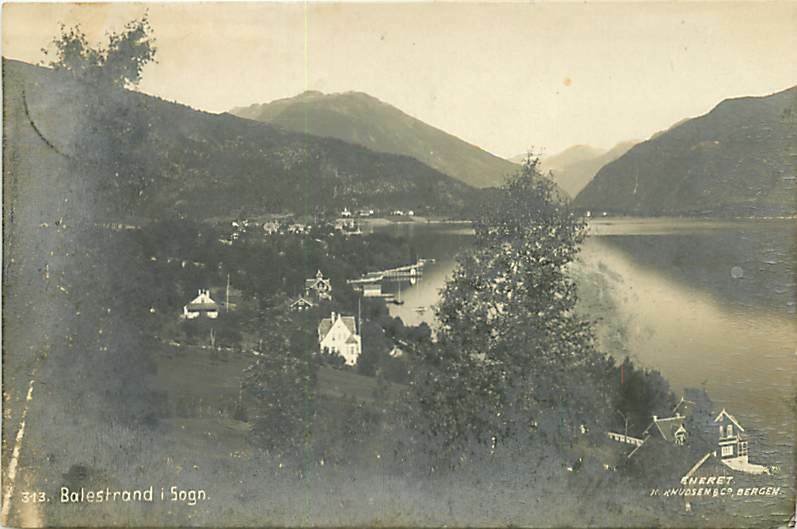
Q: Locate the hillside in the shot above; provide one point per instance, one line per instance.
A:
(574, 167)
(740, 159)
(358, 118)
(142, 156)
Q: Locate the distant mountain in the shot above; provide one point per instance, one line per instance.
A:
(518, 159)
(740, 159)
(574, 154)
(133, 154)
(574, 167)
(358, 118)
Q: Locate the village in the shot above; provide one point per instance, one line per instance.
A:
(231, 274)
(704, 442)
(339, 334)
(311, 265)
(345, 311)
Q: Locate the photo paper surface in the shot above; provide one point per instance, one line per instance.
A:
(399, 264)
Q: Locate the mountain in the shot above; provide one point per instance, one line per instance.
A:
(136, 155)
(574, 154)
(518, 159)
(740, 159)
(358, 118)
(574, 167)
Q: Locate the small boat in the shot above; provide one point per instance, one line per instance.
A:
(397, 300)
(420, 310)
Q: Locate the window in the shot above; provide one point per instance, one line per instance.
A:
(730, 430)
(742, 448)
(727, 450)
(679, 438)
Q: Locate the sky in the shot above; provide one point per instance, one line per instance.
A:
(505, 77)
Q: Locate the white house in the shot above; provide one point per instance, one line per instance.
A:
(203, 304)
(733, 445)
(732, 453)
(339, 334)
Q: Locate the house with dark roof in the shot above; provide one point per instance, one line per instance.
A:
(670, 429)
(338, 334)
(727, 439)
(301, 304)
(318, 288)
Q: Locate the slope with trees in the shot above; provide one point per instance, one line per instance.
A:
(149, 156)
(573, 168)
(361, 119)
(737, 160)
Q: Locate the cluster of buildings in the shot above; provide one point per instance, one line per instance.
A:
(339, 334)
(244, 227)
(721, 442)
(347, 213)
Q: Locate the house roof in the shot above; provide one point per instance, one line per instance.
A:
(350, 323)
(325, 325)
(699, 464)
(684, 407)
(203, 302)
(666, 427)
(317, 282)
(711, 464)
(301, 300)
(730, 418)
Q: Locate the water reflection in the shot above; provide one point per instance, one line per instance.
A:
(744, 265)
(438, 241)
(708, 303)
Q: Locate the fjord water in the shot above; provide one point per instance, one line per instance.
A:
(708, 303)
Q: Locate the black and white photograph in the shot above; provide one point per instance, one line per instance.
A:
(399, 264)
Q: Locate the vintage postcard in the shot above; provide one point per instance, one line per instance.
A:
(321, 264)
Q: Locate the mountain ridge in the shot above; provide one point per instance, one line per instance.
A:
(573, 168)
(153, 156)
(360, 118)
(738, 159)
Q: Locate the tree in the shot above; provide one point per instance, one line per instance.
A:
(511, 353)
(119, 63)
(641, 394)
(283, 383)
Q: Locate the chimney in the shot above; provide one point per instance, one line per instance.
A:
(333, 316)
(655, 418)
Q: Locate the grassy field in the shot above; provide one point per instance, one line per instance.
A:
(209, 384)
